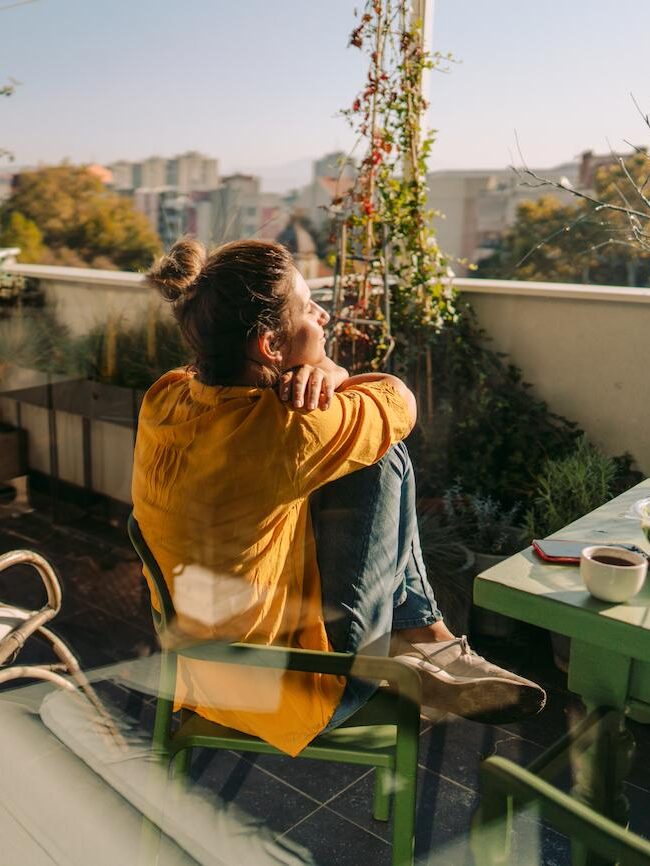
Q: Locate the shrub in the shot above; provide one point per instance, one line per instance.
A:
(488, 431)
(482, 523)
(570, 487)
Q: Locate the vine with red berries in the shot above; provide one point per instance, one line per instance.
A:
(392, 293)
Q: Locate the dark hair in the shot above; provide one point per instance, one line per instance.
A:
(222, 298)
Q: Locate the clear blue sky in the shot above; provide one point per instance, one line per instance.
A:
(258, 83)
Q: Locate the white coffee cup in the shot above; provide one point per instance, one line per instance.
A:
(616, 580)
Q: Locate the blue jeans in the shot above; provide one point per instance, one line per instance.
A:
(372, 574)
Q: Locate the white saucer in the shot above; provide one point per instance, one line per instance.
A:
(637, 507)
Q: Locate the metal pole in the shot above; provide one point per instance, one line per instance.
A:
(422, 10)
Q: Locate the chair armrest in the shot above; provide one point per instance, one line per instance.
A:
(570, 816)
(44, 569)
(14, 641)
(402, 677)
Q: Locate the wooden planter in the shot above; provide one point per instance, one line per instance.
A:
(13, 450)
(80, 433)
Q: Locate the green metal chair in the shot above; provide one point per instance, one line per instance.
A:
(505, 786)
(384, 734)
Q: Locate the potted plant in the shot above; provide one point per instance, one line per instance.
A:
(570, 487)
(567, 489)
(490, 531)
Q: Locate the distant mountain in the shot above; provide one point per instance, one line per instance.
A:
(279, 178)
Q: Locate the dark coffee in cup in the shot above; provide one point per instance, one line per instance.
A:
(611, 574)
(613, 560)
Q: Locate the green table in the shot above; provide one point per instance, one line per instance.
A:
(610, 643)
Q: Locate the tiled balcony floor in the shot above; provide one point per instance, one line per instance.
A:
(325, 807)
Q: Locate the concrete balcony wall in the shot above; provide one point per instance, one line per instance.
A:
(83, 298)
(582, 348)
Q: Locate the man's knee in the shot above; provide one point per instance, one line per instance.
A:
(397, 457)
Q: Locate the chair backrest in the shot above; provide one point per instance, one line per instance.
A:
(163, 617)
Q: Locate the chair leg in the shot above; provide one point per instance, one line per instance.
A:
(181, 764)
(405, 785)
(491, 828)
(404, 803)
(383, 790)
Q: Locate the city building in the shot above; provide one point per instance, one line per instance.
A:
(154, 172)
(174, 193)
(186, 172)
(166, 209)
(123, 180)
(473, 208)
(236, 208)
(337, 164)
(332, 176)
(105, 175)
(192, 172)
(302, 247)
(274, 215)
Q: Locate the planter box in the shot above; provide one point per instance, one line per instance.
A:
(80, 432)
(13, 448)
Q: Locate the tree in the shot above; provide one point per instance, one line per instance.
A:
(601, 239)
(24, 233)
(536, 247)
(81, 223)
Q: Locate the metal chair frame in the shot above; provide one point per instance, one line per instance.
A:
(505, 786)
(383, 734)
(32, 622)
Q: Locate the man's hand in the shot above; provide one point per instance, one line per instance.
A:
(312, 387)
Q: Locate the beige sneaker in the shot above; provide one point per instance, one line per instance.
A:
(457, 680)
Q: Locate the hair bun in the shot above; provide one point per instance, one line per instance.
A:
(175, 274)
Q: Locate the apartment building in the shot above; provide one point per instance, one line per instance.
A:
(186, 172)
(332, 176)
(192, 172)
(236, 208)
(474, 207)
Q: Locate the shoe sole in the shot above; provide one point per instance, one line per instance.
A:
(490, 701)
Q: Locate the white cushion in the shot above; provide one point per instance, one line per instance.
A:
(10, 617)
(54, 809)
(212, 832)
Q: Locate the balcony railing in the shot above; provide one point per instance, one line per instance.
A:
(581, 346)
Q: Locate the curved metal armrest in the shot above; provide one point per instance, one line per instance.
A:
(404, 678)
(14, 641)
(44, 569)
(570, 816)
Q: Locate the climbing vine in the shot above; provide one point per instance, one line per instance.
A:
(392, 293)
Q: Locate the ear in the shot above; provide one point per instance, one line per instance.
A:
(269, 352)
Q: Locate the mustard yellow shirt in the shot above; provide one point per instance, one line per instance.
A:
(221, 482)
